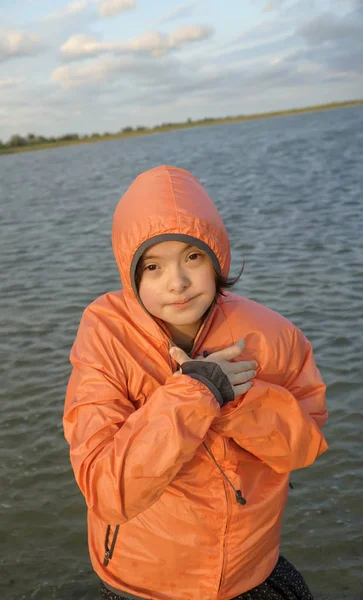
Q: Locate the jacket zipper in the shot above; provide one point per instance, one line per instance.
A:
(227, 521)
(109, 549)
(225, 536)
(238, 495)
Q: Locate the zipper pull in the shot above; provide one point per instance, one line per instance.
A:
(109, 551)
(239, 498)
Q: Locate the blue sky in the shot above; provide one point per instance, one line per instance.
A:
(100, 65)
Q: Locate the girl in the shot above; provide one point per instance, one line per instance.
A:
(186, 411)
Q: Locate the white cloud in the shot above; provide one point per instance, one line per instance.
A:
(342, 75)
(80, 45)
(265, 32)
(70, 77)
(76, 7)
(105, 8)
(273, 5)
(11, 82)
(18, 43)
(309, 68)
(189, 33)
(111, 8)
(183, 10)
(152, 43)
(120, 70)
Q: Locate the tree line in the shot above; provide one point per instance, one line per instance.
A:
(18, 141)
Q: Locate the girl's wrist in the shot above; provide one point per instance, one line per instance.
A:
(212, 376)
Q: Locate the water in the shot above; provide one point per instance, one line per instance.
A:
(291, 192)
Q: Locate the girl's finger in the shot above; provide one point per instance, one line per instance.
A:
(242, 365)
(237, 378)
(225, 354)
(241, 389)
(178, 355)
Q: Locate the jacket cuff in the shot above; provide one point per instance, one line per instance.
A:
(212, 376)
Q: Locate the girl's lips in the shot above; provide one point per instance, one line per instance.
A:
(181, 304)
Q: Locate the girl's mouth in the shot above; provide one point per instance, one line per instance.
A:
(181, 304)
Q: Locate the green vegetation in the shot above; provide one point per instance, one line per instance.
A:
(17, 143)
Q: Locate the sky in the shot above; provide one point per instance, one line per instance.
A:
(85, 66)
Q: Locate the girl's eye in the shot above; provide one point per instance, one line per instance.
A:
(194, 255)
(150, 268)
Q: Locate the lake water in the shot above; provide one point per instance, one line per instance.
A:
(290, 191)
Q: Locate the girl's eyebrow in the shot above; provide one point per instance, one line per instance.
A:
(155, 256)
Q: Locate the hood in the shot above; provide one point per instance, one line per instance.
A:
(166, 203)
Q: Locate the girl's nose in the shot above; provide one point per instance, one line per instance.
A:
(178, 280)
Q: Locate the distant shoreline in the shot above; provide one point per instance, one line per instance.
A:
(174, 126)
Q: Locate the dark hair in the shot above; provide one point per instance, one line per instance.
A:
(222, 283)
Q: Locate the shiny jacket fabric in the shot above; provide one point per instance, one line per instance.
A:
(163, 521)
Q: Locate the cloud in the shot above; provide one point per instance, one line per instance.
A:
(335, 43)
(284, 7)
(297, 9)
(80, 45)
(271, 5)
(265, 32)
(329, 27)
(327, 42)
(103, 8)
(76, 7)
(167, 79)
(187, 34)
(111, 8)
(183, 10)
(15, 44)
(11, 82)
(153, 43)
(268, 56)
(143, 71)
(71, 77)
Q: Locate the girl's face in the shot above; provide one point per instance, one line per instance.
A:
(177, 285)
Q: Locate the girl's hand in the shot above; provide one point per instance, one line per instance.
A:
(239, 373)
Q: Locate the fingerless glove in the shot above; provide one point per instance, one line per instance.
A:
(212, 376)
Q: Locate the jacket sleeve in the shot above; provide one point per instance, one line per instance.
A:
(280, 424)
(124, 458)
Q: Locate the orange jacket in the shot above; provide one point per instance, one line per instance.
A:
(163, 521)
